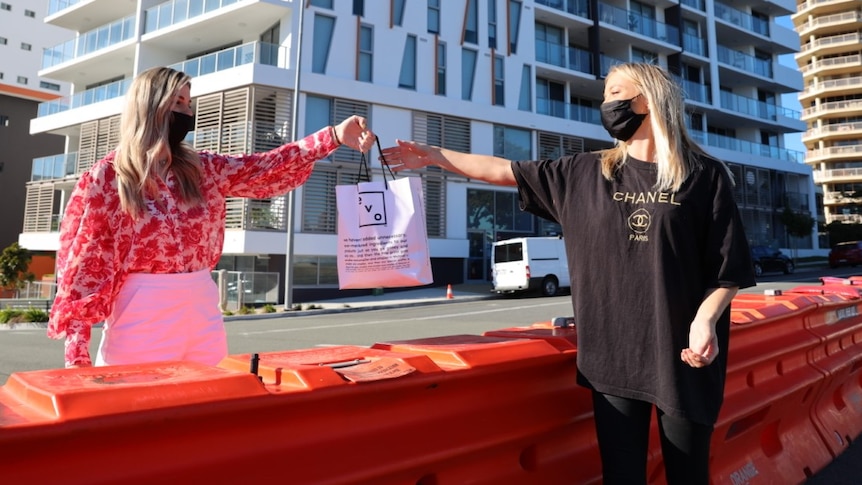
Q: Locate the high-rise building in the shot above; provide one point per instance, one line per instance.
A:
(521, 79)
(23, 35)
(830, 60)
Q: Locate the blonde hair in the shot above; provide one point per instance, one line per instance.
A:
(676, 154)
(144, 128)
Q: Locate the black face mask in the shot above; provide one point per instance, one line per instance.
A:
(619, 119)
(180, 126)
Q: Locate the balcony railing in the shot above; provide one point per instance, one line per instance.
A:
(853, 151)
(826, 21)
(851, 105)
(55, 6)
(256, 214)
(839, 84)
(837, 173)
(745, 62)
(754, 107)
(634, 22)
(253, 52)
(744, 146)
(89, 42)
(91, 96)
(839, 128)
(849, 39)
(54, 166)
(574, 7)
(695, 91)
(742, 19)
(176, 11)
(561, 109)
(854, 60)
(695, 4)
(607, 62)
(694, 45)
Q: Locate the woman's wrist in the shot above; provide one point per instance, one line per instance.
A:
(335, 136)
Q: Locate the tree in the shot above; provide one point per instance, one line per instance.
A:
(797, 225)
(14, 262)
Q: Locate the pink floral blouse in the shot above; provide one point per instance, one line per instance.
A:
(100, 244)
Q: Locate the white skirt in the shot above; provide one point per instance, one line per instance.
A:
(159, 317)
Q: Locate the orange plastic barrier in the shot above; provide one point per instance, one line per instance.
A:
(452, 410)
(764, 433)
(503, 407)
(837, 408)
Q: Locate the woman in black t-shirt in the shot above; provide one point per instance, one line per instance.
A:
(656, 253)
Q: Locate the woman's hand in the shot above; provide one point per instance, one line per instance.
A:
(354, 133)
(409, 155)
(702, 345)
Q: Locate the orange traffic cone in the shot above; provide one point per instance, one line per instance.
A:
(449, 294)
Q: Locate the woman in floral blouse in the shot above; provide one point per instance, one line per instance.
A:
(144, 228)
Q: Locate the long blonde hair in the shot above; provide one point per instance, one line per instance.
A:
(676, 154)
(144, 141)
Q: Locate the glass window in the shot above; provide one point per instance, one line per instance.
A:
(359, 7)
(440, 87)
(398, 12)
(322, 3)
(366, 53)
(499, 81)
(317, 113)
(323, 27)
(525, 100)
(471, 26)
(434, 16)
(512, 143)
(492, 24)
(408, 64)
(514, 24)
(468, 73)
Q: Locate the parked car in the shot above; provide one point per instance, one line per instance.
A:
(846, 254)
(767, 259)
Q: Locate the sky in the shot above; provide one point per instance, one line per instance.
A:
(793, 141)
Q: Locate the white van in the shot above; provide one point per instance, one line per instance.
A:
(530, 263)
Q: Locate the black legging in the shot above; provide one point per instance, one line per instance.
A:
(622, 427)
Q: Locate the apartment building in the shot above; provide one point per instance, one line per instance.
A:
(23, 35)
(830, 60)
(521, 79)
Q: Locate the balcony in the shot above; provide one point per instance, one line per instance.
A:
(253, 52)
(699, 5)
(834, 131)
(185, 26)
(97, 39)
(834, 66)
(744, 62)
(574, 112)
(741, 19)
(826, 46)
(847, 108)
(744, 146)
(580, 8)
(844, 152)
(756, 108)
(54, 167)
(83, 15)
(830, 24)
(693, 44)
(837, 175)
(256, 214)
(823, 7)
(85, 98)
(638, 24)
(832, 87)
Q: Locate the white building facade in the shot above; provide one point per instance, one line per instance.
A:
(521, 79)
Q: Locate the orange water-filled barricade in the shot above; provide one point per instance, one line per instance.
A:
(500, 408)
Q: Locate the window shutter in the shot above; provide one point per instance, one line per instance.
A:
(38, 208)
(87, 146)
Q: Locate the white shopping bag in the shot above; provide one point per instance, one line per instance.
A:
(382, 240)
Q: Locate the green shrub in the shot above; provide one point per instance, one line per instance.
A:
(36, 315)
(269, 308)
(13, 315)
(245, 310)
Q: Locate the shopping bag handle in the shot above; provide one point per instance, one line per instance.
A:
(363, 164)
